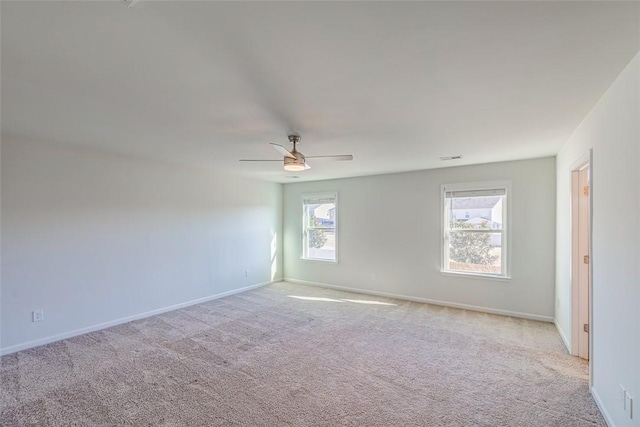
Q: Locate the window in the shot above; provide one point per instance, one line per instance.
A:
(475, 228)
(319, 226)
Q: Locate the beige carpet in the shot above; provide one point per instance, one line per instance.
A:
(294, 355)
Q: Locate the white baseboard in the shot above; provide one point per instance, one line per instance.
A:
(81, 331)
(563, 336)
(427, 300)
(602, 408)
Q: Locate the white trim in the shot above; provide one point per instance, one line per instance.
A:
(476, 193)
(591, 324)
(477, 185)
(505, 230)
(528, 316)
(312, 198)
(328, 261)
(307, 198)
(476, 276)
(562, 335)
(603, 409)
(82, 331)
(582, 161)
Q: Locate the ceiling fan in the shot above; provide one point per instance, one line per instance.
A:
(294, 160)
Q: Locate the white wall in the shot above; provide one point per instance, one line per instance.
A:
(612, 130)
(92, 237)
(390, 226)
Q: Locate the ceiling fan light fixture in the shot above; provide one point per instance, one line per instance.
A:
(294, 165)
(294, 168)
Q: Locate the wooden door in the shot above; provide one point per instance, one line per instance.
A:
(583, 262)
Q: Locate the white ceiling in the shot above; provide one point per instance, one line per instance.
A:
(395, 84)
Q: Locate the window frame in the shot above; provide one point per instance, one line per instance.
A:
(305, 225)
(505, 273)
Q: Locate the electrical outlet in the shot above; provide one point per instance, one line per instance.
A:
(246, 273)
(373, 276)
(37, 315)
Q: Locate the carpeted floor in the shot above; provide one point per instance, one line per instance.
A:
(295, 355)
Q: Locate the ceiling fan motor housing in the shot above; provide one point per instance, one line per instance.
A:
(294, 139)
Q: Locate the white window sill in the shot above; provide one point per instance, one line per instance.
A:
(476, 276)
(328, 261)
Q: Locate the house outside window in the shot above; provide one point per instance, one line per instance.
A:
(475, 228)
(319, 227)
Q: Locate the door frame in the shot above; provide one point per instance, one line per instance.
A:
(585, 161)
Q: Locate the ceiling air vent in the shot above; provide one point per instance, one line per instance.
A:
(451, 158)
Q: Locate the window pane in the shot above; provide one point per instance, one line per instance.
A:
(481, 213)
(321, 215)
(321, 244)
(319, 226)
(475, 252)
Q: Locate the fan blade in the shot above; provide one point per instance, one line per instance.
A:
(283, 150)
(338, 157)
(258, 160)
(306, 166)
